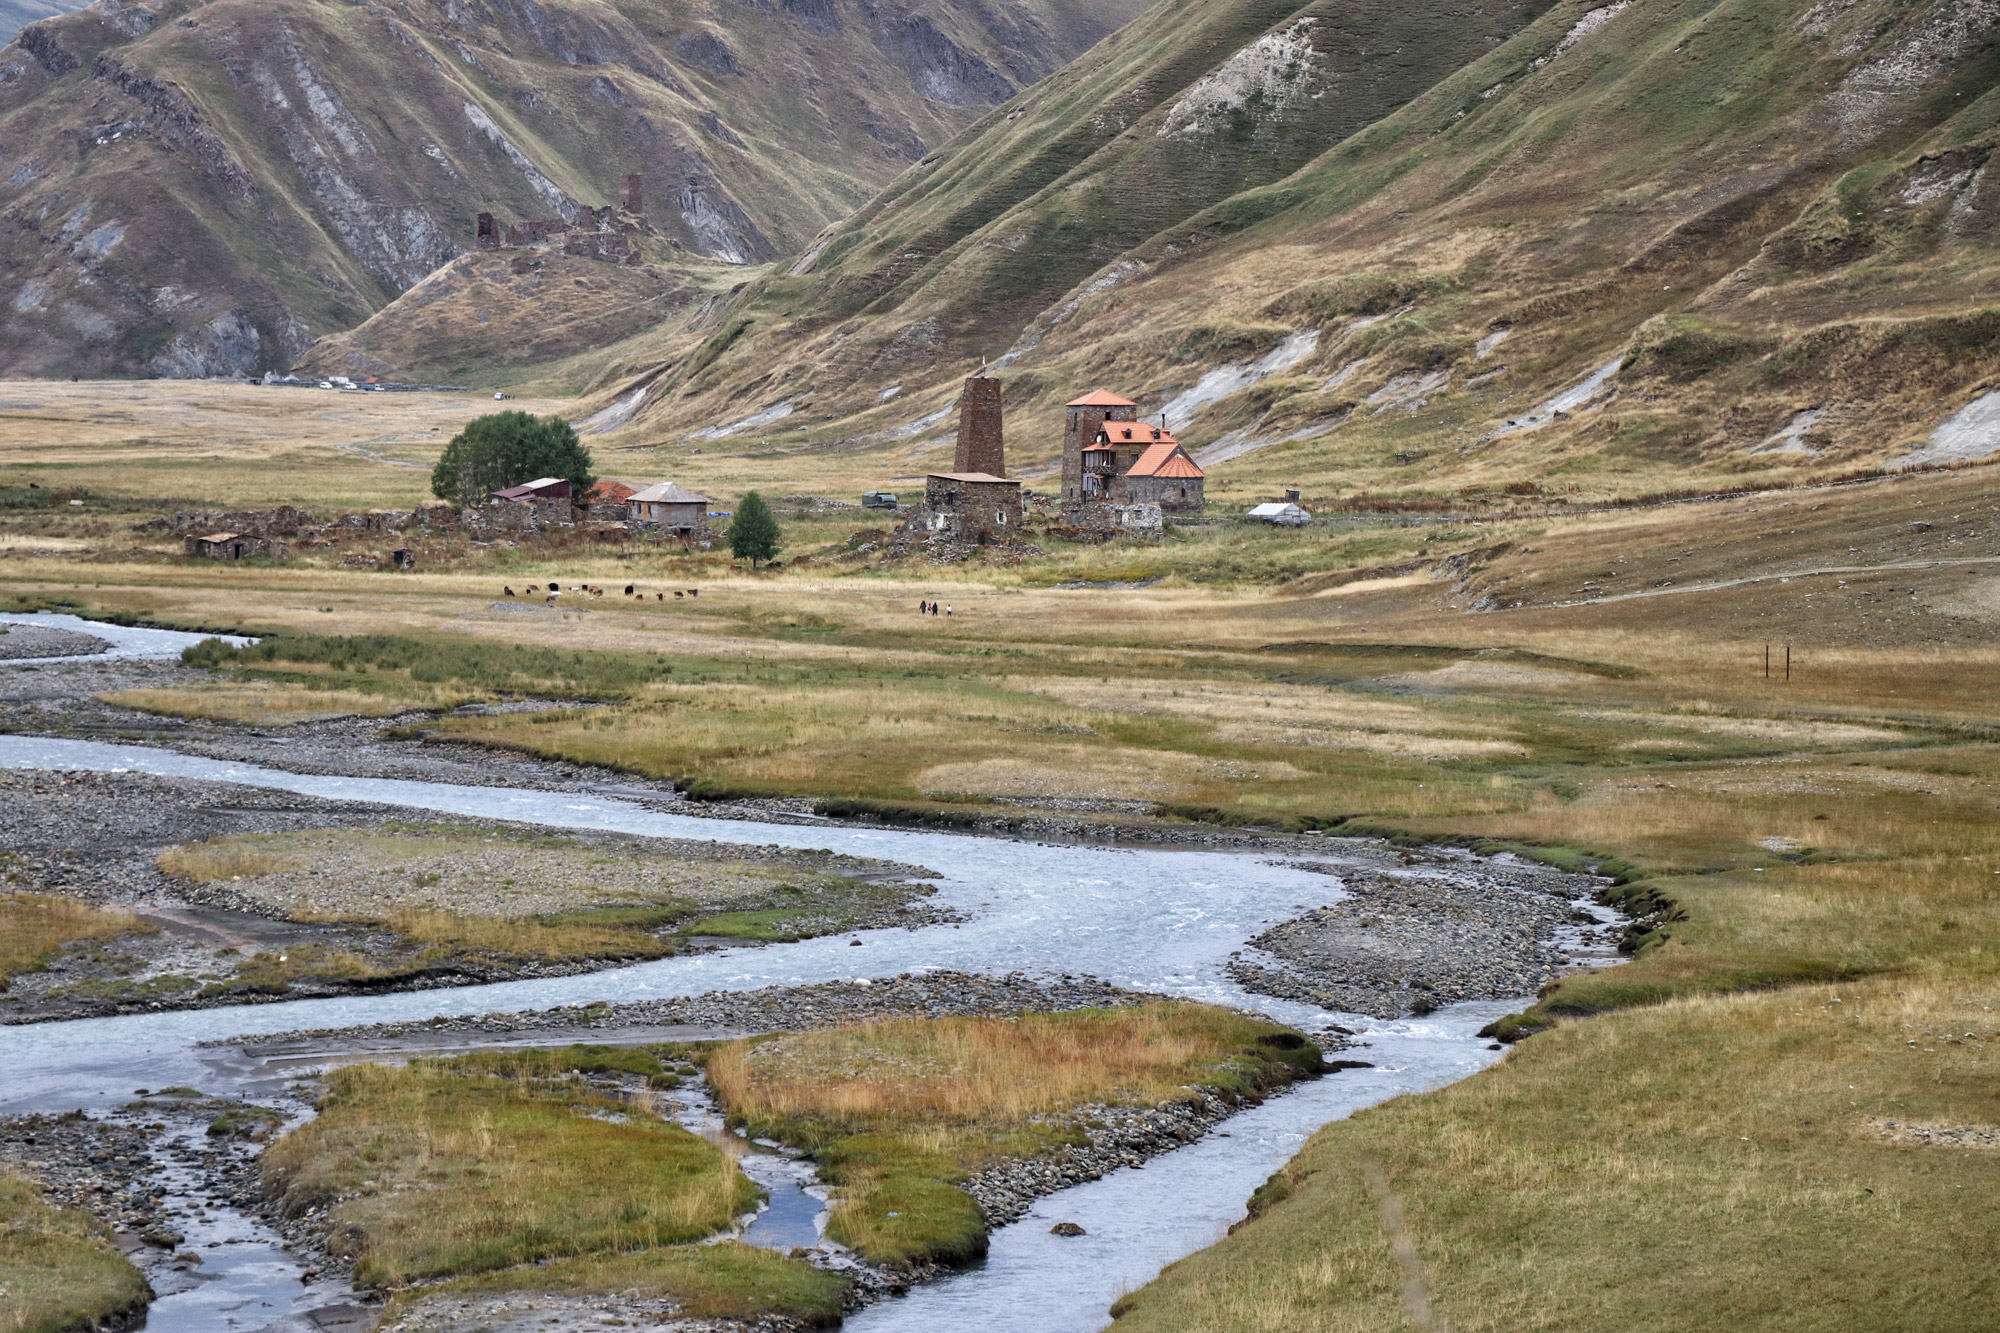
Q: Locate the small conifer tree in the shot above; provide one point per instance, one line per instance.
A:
(753, 533)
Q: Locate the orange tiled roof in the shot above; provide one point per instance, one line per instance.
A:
(1134, 432)
(1165, 459)
(607, 490)
(1101, 398)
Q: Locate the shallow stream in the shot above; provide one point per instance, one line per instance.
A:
(1155, 920)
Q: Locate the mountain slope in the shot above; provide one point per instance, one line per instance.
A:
(204, 188)
(18, 14)
(1773, 215)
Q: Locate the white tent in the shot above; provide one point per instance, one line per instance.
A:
(1282, 512)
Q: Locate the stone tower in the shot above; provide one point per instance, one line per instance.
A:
(980, 447)
(632, 196)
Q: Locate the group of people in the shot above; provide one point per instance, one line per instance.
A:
(930, 609)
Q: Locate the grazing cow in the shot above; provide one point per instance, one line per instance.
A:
(660, 596)
(553, 594)
(694, 592)
(628, 590)
(678, 595)
(510, 592)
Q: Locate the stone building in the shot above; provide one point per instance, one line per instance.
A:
(975, 501)
(975, 505)
(670, 508)
(1081, 420)
(1111, 457)
(234, 546)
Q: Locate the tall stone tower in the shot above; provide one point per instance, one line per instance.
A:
(980, 447)
(632, 195)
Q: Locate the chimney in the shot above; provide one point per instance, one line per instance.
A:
(632, 195)
(980, 446)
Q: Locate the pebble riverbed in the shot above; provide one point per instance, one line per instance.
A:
(1148, 921)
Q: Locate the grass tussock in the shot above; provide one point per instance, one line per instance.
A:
(897, 1112)
(58, 1269)
(450, 1167)
(35, 927)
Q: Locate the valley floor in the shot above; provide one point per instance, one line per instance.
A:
(1771, 1116)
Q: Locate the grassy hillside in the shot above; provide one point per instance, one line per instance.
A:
(1398, 231)
(203, 188)
(17, 14)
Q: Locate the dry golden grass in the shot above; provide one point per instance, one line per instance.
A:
(35, 927)
(1642, 1179)
(259, 704)
(447, 1167)
(233, 444)
(960, 1072)
(1786, 731)
(897, 1111)
(445, 935)
(233, 858)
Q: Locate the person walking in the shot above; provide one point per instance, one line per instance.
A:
(947, 608)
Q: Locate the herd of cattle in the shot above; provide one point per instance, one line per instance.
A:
(588, 590)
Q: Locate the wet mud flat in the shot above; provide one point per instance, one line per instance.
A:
(98, 837)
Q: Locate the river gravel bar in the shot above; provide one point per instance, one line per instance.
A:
(344, 897)
(1417, 941)
(28, 641)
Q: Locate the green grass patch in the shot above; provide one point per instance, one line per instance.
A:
(58, 1269)
(451, 1167)
(728, 1280)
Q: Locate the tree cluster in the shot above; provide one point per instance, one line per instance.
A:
(506, 449)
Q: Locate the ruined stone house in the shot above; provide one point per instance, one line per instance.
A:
(234, 546)
(594, 233)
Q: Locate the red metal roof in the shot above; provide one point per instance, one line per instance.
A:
(1102, 398)
(609, 491)
(1166, 459)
